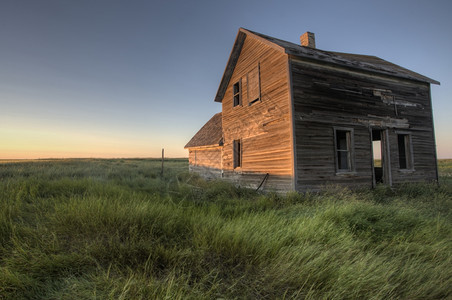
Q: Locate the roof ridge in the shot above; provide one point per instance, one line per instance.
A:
(356, 61)
(365, 63)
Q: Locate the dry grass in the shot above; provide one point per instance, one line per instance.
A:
(114, 229)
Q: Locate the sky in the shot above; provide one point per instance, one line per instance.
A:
(111, 78)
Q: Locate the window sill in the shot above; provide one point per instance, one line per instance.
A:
(347, 173)
(254, 102)
(407, 170)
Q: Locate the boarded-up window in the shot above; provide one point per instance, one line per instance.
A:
(237, 151)
(253, 84)
(344, 151)
(405, 157)
(237, 93)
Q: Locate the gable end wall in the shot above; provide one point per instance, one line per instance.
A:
(263, 127)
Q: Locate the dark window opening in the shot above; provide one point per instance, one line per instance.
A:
(343, 150)
(237, 149)
(237, 93)
(254, 101)
(403, 141)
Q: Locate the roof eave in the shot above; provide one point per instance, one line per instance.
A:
(308, 54)
(419, 77)
(203, 146)
(234, 56)
(229, 69)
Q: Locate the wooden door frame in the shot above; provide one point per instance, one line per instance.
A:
(385, 156)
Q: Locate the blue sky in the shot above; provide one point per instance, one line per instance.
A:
(126, 78)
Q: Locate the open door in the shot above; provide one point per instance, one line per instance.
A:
(380, 157)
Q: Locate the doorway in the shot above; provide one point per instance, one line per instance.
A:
(380, 158)
(376, 156)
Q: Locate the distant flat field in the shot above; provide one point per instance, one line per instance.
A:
(445, 167)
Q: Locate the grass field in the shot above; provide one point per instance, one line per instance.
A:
(116, 229)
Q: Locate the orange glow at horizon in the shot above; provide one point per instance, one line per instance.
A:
(45, 142)
(24, 144)
(76, 148)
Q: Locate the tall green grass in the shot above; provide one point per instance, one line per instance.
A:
(116, 229)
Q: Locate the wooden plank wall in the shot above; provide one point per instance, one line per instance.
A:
(325, 97)
(206, 172)
(252, 180)
(264, 126)
(205, 161)
(205, 157)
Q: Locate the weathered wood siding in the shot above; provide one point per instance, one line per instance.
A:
(205, 161)
(264, 127)
(326, 96)
(205, 157)
(206, 172)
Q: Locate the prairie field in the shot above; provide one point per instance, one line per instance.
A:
(119, 229)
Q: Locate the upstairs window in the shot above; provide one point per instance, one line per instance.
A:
(405, 156)
(344, 151)
(237, 93)
(237, 153)
(253, 85)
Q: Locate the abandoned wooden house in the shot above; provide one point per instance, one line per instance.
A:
(302, 118)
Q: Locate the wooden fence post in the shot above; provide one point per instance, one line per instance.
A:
(163, 158)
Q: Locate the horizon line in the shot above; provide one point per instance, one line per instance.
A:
(61, 158)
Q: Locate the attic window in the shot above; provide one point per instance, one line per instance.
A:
(253, 85)
(237, 93)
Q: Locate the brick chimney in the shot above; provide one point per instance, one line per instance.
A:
(308, 39)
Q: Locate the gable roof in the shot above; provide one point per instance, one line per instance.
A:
(365, 63)
(211, 134)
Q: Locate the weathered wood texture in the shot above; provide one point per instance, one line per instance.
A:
(206, 172)
(326, 96)
(205, 157)
(277, 183)
(264, 126)
(292, 100)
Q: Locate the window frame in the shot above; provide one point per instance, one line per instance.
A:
(237, 150)
(350, 150)
(258, 99)
(237, 94)
(408, 155)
